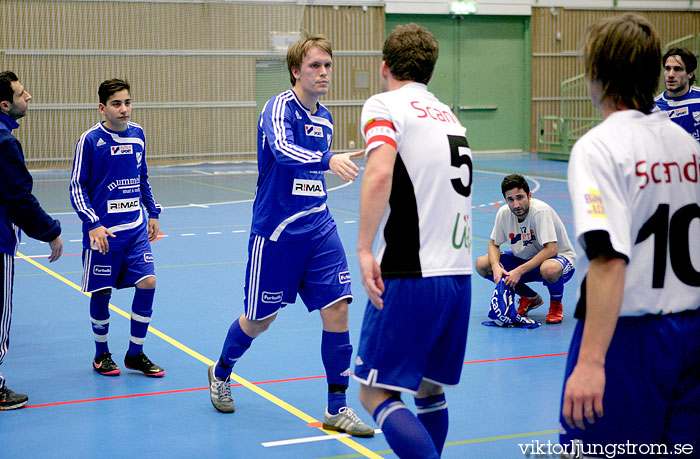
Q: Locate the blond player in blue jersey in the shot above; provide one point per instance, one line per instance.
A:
(294, 247)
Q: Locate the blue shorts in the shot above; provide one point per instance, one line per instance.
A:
(118, 268)
(421, 333)
(314, 268)
(510, 262)
(652, 384)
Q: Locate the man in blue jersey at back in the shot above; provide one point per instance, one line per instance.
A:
(681, 100)
(294, 246)
(108, 187)
(19, 209)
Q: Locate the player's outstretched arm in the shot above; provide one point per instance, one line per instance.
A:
(583, 392)
(342, 165)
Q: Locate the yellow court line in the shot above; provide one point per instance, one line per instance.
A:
(243, 382)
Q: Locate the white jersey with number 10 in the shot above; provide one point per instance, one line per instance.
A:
(637, 177)
(426, 230)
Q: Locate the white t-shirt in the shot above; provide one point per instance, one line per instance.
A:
(637, 177)
(527, 238)
(426, 230)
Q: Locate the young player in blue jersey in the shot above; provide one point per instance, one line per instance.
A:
(109, 185)
(681, 100)
(633, 370)
(416, 197)
(19, 210)
(294, 246)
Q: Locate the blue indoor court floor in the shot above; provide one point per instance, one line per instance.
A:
(511, 383)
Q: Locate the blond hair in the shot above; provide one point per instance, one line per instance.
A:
(299, 49)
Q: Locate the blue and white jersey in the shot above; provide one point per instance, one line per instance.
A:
(293, 153)
(109, 184)
(683, 110)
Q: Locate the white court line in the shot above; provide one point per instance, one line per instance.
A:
(207, 205)
(295, 441)
(33, 256)
(214, 232)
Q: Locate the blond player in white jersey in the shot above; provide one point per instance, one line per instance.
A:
(416, 195)
(633, 370)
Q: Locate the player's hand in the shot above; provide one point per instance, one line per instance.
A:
(583, 394)
(343, 167)
(513, 277)
(56, 249)
(371, 275)
(98, 237)
(153, 229)
(498, 273)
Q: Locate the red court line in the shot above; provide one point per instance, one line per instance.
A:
(117, 397)
(516, 358)
(305, 378)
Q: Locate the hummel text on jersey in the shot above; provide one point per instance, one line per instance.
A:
(115, 206)
(308, 188)
(660, 172)
(434, 113)
(123, 183)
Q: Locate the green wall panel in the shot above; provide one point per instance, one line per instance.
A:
(484, 68)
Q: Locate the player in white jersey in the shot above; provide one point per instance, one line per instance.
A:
(540, 249)
(416, 194)
(108, 187)
(633, 370)
(294, 247)
(681, 100)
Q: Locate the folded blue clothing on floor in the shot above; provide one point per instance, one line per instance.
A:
(503, 311)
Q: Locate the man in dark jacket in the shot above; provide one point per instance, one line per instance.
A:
(19, 209)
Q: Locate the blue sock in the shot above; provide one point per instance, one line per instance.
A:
(524, 290)
(141, 311)
(556, 290)
(432, 413)
(403, 431)
(336, 352)
(235, 345)
(99, 316)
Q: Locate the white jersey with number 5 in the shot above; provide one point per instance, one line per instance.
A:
(426, 230)
(637, 177)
